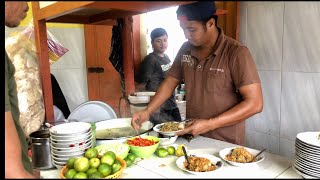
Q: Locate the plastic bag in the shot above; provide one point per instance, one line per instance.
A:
(21, 50)
(56, 49)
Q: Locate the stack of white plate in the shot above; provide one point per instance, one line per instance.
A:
(307, 157)
(69, 140)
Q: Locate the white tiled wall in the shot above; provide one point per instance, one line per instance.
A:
(283, 39)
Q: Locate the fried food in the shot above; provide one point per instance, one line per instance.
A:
(240, 155)
(171, 126)
(199, 164)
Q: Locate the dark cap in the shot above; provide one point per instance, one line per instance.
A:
(196, 11)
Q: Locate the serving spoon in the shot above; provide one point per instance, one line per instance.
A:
(258, 154)
(186, 156)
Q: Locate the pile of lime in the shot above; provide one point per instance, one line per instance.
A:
(91, 166)
(164, 152)
(130, 159)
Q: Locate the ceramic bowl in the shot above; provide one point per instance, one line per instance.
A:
(144, 151)
(73, 128)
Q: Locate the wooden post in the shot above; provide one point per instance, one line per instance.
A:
(40, 34)
(128, 55)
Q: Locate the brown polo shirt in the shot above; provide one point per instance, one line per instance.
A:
(211, 85)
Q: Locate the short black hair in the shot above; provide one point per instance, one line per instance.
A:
(157, 32)
(215, 17)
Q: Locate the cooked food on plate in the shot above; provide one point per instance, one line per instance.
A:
(199, 164)
(240, 155)
(171, 126)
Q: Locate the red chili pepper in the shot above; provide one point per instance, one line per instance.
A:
(141, 142)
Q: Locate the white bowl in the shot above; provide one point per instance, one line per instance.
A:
(73, 128)
(59, 165)
(168, 140)
(165, 140)
(70, 151)
(67, 155)
(254, 152)
(71, 144)
(70, 137)
(63, 159)
(75, 148)
(76, 139)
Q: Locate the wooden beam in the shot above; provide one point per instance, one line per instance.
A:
(70, 19)
(61, 8)
(137, 6)
(136, 42)
(108, 22)
(40, 32)
(127, 45)
(238, 22)
(112, 14)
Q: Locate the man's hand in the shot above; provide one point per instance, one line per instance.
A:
(196, 127)
(138, 118)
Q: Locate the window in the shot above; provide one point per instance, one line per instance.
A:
(167, 19)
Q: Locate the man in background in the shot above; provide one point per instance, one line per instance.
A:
(17, 163)
(153, 71)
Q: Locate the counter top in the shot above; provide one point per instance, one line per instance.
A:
(273, 166)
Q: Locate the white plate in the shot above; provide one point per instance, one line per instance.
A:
(254, 152)
(169, 133)
(145, 93)
(306, 176)
(73, 128)
(92, 111)
(311, 138)
(212, 158)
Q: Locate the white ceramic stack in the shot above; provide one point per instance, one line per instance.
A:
(69, 140)
(307, 156)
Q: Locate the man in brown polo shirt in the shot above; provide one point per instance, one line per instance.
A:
(222, 86)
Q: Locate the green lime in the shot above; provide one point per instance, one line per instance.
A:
(162, 152)
(117, 162)
(95, 175)
(94, 162)
(107, 159)
(70, 163)
(80, 175)
(81, 164)
(91, 153)
(70, 173)
(111, 153)
(128, 161)
(105, 169)
(115, 168)
(171, 150)
(132, 157)
(91, 171)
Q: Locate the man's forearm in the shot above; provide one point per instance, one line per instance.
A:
(234, 115)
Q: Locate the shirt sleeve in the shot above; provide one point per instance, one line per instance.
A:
(243, 70)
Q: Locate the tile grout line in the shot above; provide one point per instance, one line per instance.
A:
(281, 76)
(283, 171)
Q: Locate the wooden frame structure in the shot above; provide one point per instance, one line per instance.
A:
(88, 12)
